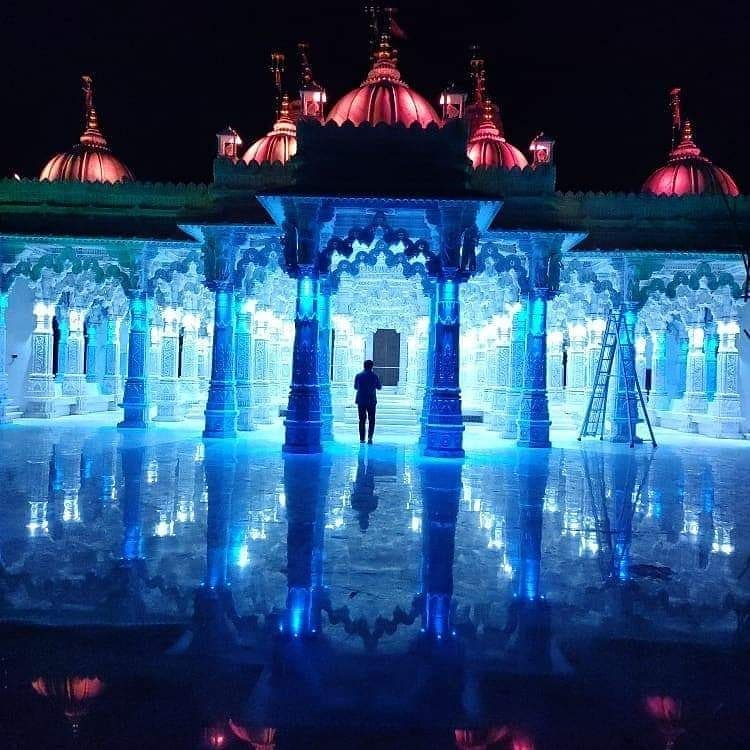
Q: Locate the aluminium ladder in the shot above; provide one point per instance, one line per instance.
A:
(594, 420)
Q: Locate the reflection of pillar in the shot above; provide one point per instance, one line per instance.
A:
(706, 516)
(303, 423)
(168, 406)
(625, 397)
(444, 421)
(555, 390)
(135, 400)
(189, 375)
(63, 327)
(533, 413)
(441, 493)
(324, 360)
(112, 382)
(659, 397)
(92, 345)
(132, 476)
(221, 406)
(710, 349)
(243, 364)
(74, 381)
(725, 408)
(40, 386)
(575, 389)
(515, 377)
(695, 371)
(622, 479)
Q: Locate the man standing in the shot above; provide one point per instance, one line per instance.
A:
(367, 384)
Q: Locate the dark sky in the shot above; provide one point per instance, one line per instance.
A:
(593, 74)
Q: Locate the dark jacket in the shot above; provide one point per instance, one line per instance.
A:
(367, 383)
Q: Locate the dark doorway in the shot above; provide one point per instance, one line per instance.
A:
(386, 352)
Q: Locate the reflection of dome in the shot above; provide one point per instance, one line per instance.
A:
(260, 738)
(487, 146)
(90, 160)
(384, 97)
(688, 172)
(72, 694)
(280, 144)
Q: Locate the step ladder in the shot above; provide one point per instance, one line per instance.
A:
(593, 421)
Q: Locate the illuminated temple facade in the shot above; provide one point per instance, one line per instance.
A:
(381, 226)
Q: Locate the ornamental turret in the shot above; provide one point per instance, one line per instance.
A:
(687, 171)
(90, 160)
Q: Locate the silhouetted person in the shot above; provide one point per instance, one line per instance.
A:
(367, 384)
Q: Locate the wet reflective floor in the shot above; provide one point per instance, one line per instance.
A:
(156, 588)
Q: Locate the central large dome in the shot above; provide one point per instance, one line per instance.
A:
(384, 98)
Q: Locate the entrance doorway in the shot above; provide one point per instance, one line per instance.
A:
(386, 353)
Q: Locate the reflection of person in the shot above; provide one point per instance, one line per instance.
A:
(363, 498)
(367, 383)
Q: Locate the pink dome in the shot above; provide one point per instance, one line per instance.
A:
(280, 144)
(384, 98)
(487, 147)
(688, 172)
(90, 160)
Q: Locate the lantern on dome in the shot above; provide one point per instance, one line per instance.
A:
(229, 143)
(541, 149)
(312, 95)
(453, 103)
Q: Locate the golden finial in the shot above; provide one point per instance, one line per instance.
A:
(478, 75)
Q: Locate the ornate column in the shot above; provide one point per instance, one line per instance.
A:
(63, 327)
(516, 369)
(40, 385)
(710, 349)
(303, 425)
(342, 381)
(444, 421)
(136, 397)
(189, 359)
(3, 354)
(204, 369)
(640, 359)
(555, 389)
(625, 398)
(595, 327)
(681, 367)
(417, 374)
(428, 368)
(324, 359)
(500, 373)
(262, 410)
(74, 381)
(154, 350)
(92, 344)
(575, 390)
(243, 369)
(221, 406)
(168, 404)
(659, 398)
(694, 400)
(725, 410)
(112, 382)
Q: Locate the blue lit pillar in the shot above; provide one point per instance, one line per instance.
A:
(3, 355)
(303, 422)
(444, 424)
(517, 367)
(428, 370)
(324, 359)
(63, 328)
(711, 349)
(243, 369)
(136, 398)
(659, 398)
(625, 397)
(441, 493)
(92, 343)
(533, 410)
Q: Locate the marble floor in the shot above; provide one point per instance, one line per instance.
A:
(510, 555)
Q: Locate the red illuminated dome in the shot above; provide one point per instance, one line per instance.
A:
(384, 97)
(90, 160)
(688, 172)
(280, 144)
(488, 148)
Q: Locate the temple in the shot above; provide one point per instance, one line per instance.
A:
(383, 227)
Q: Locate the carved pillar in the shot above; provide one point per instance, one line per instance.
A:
(681, 367)
(725, 408)
(428, 369)
(92, 344)
(444, 422)
(40, 386)
(516, 370)
(262, 407)
(63, 327)
(659, 398)
(324, 359)
(710, 349)
(204, 368)
(189, 360)
(575, 389)
(441, 493)
(640, 359)
(533, 413)
(3, 354)
(500, 355)
(154, 350)
(417, 372)
(112, 382)
(136, 401)
(555, 390)
(243, 370)
(342, 380)
(303, 423)
(625, 397)
(74, 381)
(694, 400)
(168, 405)
(595, 328)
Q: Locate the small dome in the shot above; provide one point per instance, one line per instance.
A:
(488, 148)
(90, 160)
(688, 172)
(384, 97)
(280, 144)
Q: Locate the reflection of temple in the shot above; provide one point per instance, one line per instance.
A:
(441, 252)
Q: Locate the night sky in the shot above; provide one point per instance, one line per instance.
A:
(594, 75)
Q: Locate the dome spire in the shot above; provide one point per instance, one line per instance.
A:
(92, 135)
(277, 68)
(478, 76)
(675, 107)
